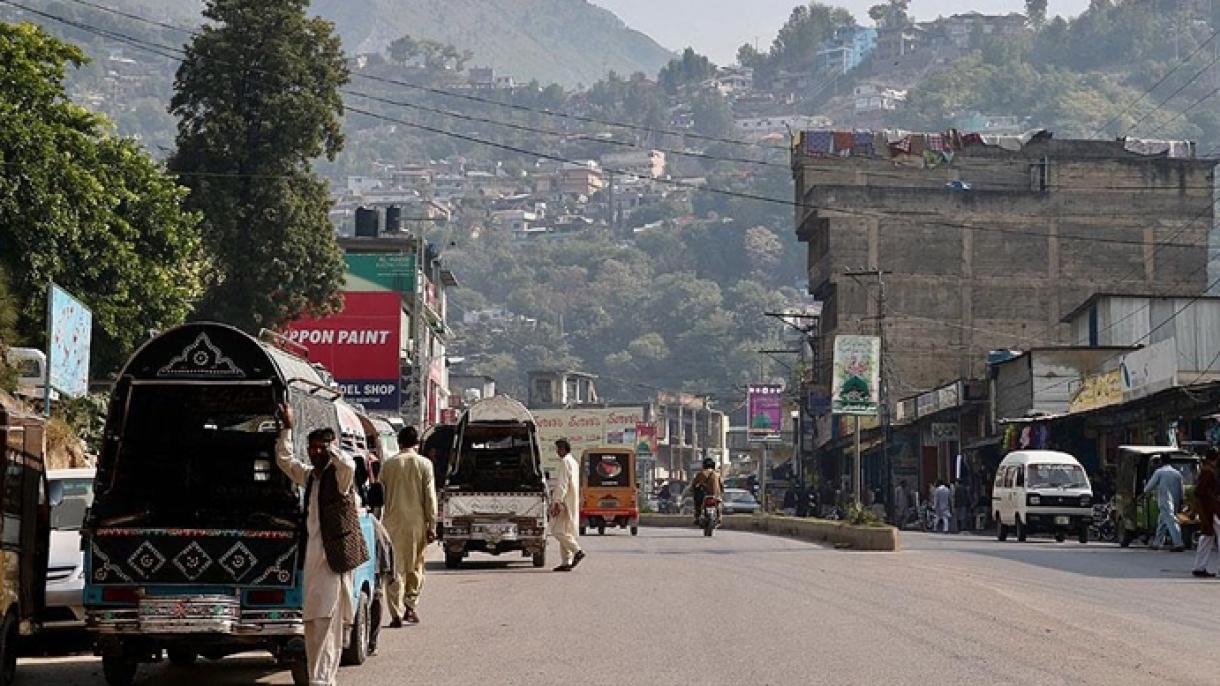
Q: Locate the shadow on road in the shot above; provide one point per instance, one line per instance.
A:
(82, 671)
(1101, 561)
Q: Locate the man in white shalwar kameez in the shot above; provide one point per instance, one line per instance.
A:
(328, 611)
(565, 508)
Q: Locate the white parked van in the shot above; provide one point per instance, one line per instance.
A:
(1042, 491)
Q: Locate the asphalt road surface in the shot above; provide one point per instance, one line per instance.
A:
(673, 607)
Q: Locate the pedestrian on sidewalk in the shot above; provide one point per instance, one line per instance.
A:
(941, 503)
(385, 573)
(1166, 482)
(961, 506)
(565, 508)
(410, 518)
(901, 503)
(334, 544)
(1207, 504)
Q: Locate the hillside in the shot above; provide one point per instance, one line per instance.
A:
(562, 41)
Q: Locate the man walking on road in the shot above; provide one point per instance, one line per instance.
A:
(410, 518)
(330, 513)
(942, 502)
(565, 508)
(961, 506)
(1166, 482)
(1207, 497)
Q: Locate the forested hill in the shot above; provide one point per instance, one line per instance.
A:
(568, 42)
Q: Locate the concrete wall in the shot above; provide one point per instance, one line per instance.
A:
(1024, 259)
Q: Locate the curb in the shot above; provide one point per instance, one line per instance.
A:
(838, 534)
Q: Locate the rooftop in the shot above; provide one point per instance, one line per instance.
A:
(1093, 300)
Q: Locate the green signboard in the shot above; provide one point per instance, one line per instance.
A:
(393, 271)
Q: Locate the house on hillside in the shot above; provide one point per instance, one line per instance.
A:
(850, 47)
(642, 163)
(960, 29)
(872, 97)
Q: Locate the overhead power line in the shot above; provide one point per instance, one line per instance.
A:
(474, 98)
(1186, 60)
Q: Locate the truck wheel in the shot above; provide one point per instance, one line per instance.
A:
(1083, 534)
(300, 672)
(120, 670)
(182, 657)
(453, 560)
(8, 650)
(635, 531)
(1022, 532)
(357, 650)
(539, 558)
(582, 529)
(1001, 529)
(1125, 536)
(601, 529)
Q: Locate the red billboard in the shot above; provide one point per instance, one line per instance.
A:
(360, 345)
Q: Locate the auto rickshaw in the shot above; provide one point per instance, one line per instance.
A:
(608, 492)
(1137, 512)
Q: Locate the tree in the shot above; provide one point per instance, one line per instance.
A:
(893, 14)
(713, 116)
(90, 212)
(257, 100)
(748, 55)
(1035, 11)
(402, 49)
(690, 69)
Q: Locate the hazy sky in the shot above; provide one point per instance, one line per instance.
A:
(717, 27)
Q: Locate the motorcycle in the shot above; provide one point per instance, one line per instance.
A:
(1103, 526)
(709, 517)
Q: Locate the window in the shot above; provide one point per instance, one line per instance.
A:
(608, 470)
(1020, 477)
(1008, 476)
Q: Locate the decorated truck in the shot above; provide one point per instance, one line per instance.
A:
(194, 544)
(495, 498)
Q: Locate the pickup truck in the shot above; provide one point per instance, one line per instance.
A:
(495, 497)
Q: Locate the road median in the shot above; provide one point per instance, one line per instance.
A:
(838, 534)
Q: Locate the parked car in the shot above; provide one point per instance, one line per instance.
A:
(65, 608)
(740, 501)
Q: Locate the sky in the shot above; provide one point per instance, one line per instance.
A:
(717, 27)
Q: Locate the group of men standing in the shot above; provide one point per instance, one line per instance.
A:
(407, 526)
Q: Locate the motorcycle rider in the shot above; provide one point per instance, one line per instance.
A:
(706, 484)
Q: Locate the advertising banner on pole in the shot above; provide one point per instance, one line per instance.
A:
(856, 383)
(70, 332)
(765, 412)
(585, 428)
(360, 346)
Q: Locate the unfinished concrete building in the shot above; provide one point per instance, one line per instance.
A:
(986, 243)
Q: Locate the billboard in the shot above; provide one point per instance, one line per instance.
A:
(585, 428)
(69, 334)
(855, 386)
(765, 412)
(360, 345)
(395, 271)
(1149, 370)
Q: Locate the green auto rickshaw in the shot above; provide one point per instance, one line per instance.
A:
(1136, 511)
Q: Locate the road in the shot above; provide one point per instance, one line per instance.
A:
(672, 607)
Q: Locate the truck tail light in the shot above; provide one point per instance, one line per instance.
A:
(265, 597)
(120, 595)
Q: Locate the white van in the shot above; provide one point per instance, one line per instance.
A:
(1042, 491)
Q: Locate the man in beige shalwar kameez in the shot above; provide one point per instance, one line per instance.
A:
(328, 611)
(410, 519)
(565, 508)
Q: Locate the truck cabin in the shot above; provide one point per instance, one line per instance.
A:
(191, 433)
(497, 450)
(25, 527)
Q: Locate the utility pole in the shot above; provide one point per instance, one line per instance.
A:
(882, 404)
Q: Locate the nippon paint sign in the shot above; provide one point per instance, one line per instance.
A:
(360, 346)
(585, 428)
